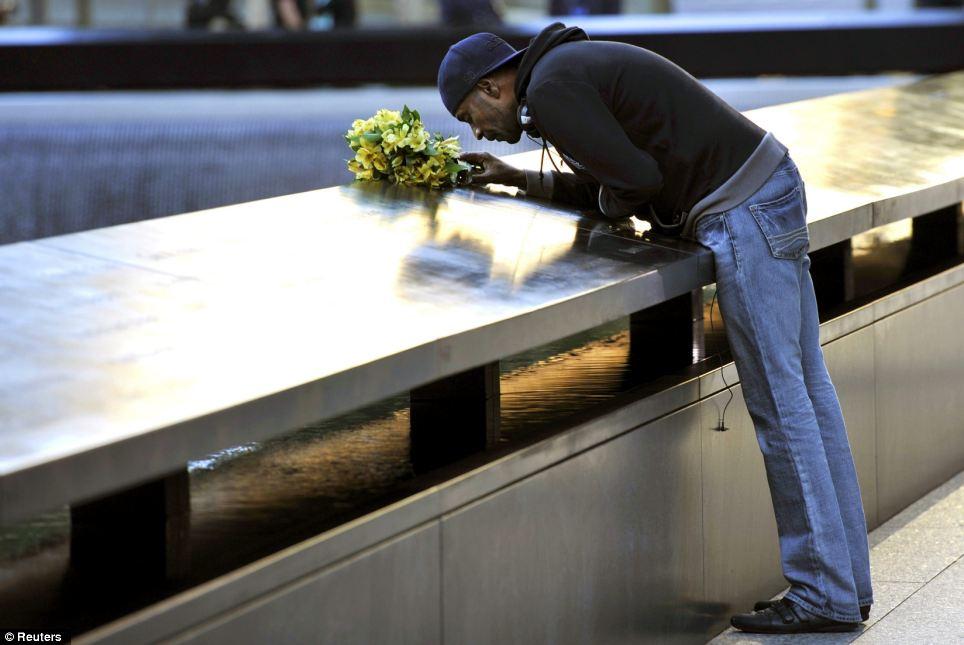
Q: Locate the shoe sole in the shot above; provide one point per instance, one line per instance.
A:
(817, 630)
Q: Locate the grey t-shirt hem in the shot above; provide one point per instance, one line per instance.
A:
(744, 182)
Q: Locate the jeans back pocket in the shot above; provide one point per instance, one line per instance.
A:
(783, 222)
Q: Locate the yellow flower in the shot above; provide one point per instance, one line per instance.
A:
(380, 162)
(364, 156)
(396, 146)
(386, 118)
(390, 140)
(371, 146)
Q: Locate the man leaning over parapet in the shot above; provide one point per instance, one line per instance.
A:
(644, 138)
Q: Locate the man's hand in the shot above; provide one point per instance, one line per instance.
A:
(492, 170)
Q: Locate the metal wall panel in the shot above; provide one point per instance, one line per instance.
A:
(389, 594)
(741, 552)
(920, 399)
(603, 548)
(850, 361)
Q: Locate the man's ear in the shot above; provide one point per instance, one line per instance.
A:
(489, 87)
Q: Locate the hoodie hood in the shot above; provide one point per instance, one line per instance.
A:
(552, 36)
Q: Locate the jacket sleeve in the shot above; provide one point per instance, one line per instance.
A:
(574, 117)
(566, 187)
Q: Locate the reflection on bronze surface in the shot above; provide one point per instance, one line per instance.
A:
(880, 256)
(226, 305)
(860, 147)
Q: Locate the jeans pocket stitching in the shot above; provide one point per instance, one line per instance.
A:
(783, 249)
(777, 201)
(782, 245)
(790, 234)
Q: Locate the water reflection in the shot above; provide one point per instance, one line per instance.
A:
(303, 482)
(880, 256)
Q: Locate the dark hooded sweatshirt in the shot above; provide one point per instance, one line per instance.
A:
(642, 136)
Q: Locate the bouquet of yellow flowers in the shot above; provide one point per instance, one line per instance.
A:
(396, 146)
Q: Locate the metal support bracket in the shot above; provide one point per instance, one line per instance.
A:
(138, 534)
(666, 336)
(832, 271)
(454, 417)
(936, 237)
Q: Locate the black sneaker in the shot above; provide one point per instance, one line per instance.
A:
(786, 617)
(763, 604)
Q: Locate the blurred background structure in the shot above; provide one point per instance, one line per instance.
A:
(84, 160)
(261, 14)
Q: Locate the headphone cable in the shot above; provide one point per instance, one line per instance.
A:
(722, 419)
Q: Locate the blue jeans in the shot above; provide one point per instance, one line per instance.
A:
(767, 301)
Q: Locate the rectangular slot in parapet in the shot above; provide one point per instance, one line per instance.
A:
(886, 259)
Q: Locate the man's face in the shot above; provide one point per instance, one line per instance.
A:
(490, 110)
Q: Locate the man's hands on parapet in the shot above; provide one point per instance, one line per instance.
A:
(492, 170)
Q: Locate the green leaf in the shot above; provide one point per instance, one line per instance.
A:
(457, 166)
(373, 137)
